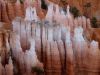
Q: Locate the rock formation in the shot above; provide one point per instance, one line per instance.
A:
(56, 45)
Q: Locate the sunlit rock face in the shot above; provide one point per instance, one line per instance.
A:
(55, 45)
(31, 14)
(26, 60)
(95, 6)
(4, 12)
(6, 65)
(49, 15)
(11, 12)
(20, 9)
(61, 42)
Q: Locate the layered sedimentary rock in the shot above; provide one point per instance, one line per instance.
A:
(6, 65)
(25, 60)
(4, 15)
(91, 11)
(55, 59)
(10, 10)
(56, 45)
(18, 7)
(0, 11)
(64, 44)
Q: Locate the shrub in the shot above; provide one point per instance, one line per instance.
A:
(94, 22)
(21, 1)
(37, 70)
(74, 11)
(43, 5)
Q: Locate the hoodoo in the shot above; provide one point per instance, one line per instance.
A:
(59, 43)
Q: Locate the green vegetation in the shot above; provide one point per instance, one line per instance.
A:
(43, 5)
(74, 11)
(37, 70)
(94, 22)
(21, 1)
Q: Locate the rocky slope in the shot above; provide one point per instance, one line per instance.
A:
(94, 10)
